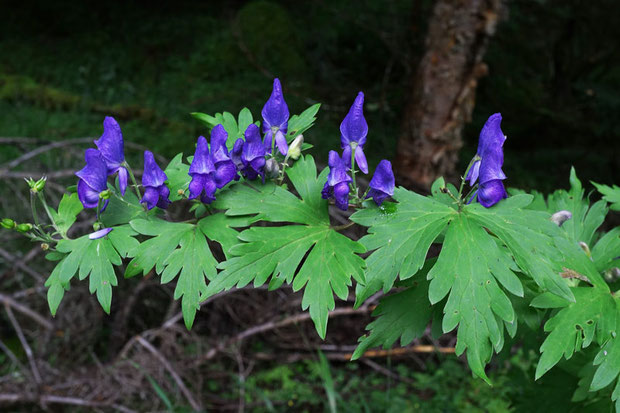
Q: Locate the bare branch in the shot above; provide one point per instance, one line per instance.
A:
(33, 365)
(6, 300)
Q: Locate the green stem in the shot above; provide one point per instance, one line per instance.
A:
(49, 214)
(284, 165)
(344, 226)
(354, 183)
(471, 191)
(133, 179)
(33, 207)
(464, 177)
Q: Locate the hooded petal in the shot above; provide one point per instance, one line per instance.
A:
(281, 142)
(383, 179)
(122, 179)
(87, 195)
(491, 153)
(150, 197)
(360, 159)
(491, 134)
(219, 136)
(196, 185)
(491, 192)
(354, 127)
(275, 112)
(153, 175)
(111, 144)
(95, 172)
(202, 162)
(100, 234)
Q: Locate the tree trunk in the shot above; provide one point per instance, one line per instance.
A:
(444, 88)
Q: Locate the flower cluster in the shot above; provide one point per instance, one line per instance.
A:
(213, 168)
(353, 130)
(108, 159)
(487, 170)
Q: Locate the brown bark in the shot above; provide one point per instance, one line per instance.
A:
(444, 88)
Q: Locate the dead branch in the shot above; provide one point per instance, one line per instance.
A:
(175, 376)
(8, 301)
(53, 399)
(20, 334)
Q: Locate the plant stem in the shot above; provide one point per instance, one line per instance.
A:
(33, 207)
(354, 183)
(344, 226)
(464, 177)
(133, 179)
(49, 214)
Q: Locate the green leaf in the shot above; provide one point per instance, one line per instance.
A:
(298, 124)
(401, 235)
(404, 314)
(181, 249)
(278, 251)
(121, 211)
(208, 120)
(68, 210)
(471, 268)
(577, 325)
(608, 358)
(245, 120)
(220, 228)
(94, 259)
(606, 252)
(528, 234)
(611, 194)
(178, 178)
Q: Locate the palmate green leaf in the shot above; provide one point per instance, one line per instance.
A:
(68, 210)
(298, 124)
(611, 194)
(277, 252)
(608, 358)
(121, 211)
(182, 249)
(178, 178)
(471, 268)
(234, 127)
(528, 234)
(591, 317)
(606, 252)
(401, 235)
(403, 315)
(90, 258)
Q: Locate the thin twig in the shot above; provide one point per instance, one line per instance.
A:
(175, 376)
(19, 264)
(27, 311)
(33, 365)
(50, 398)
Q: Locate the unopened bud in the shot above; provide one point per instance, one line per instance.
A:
(45, 246)
(585, 248)
(40, 184)
(105, 194)
(272, 169)
(294, 150)
(23, 228)
(8, 223)
(180, 192)
(561, 217)
(97, 226)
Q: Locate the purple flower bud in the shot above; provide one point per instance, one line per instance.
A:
(100, 234)
(275, 119)
(337, 185)
(93, 179)
(488, 170)
(225, 169)
(382, 182)
(353, 130)
(202, 171)
(110, 144)
(253, 154)
(156, 192)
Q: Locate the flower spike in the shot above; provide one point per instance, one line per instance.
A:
(93, 179)
(275, 119)
(353, 130)
(156, 192)
(111, 146)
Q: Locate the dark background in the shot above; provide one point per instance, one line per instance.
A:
(553, 73)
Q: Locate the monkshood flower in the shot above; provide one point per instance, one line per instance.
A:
(156, 192)
(337, 185)
(202, 171)
(93, 179)
(100, 234)
(225, 169)
(235, 154)
(488, 170)
(353, 130)
(110, 144)
(382, 182)
(253, 154)
(275, 119)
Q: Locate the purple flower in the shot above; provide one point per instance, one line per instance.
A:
(275, 119)
(488, 170)
(253, 154)
(353, 130)
(382, 182)
(156, 192)
(235, 155)
(93, 179)
(337, 185)
(225, 169)
(202, 171)
(110, 144)
(100, 234)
